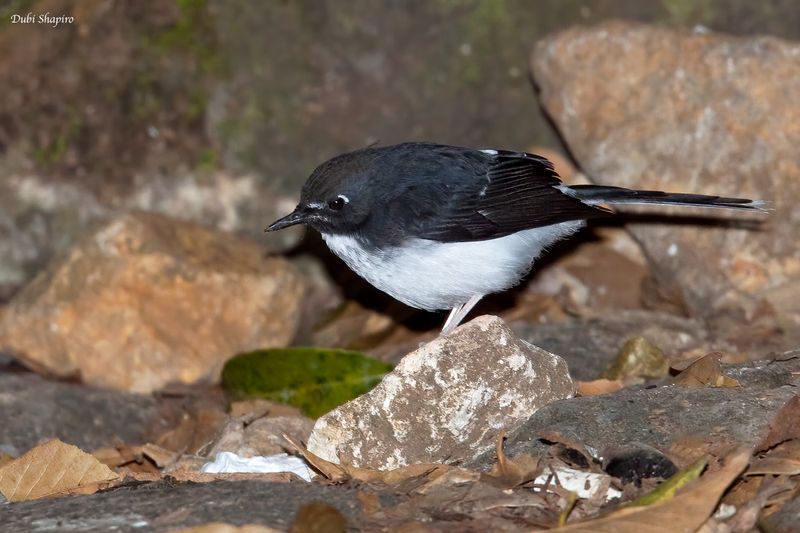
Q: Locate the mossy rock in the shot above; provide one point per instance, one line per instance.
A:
(313, 379)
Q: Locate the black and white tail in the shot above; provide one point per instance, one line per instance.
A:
(601, 194)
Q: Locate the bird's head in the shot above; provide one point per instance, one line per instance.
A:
(336, 198)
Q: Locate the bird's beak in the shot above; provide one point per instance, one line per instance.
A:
(298, 216)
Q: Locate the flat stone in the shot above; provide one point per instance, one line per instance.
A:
(655, 417)
(149, 300)
(446, 401)
(34, 409)
(654, 108)
(167, 506)
(589, 345)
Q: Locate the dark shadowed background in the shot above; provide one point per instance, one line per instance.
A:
(214, 110)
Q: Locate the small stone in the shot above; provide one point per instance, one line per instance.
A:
(639, 358)
(148, 300)
(445, 402)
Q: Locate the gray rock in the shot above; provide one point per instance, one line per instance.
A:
(149, 300)
(167, 506)
(445, 402)
(653, 108)
(42, 217)
(33, 409)
(589, 345)
(657, 417)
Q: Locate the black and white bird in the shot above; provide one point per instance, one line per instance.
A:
(439, 227)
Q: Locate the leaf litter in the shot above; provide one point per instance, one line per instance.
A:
(52, 469)
(566, 487)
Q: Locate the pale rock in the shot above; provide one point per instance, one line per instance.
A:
(148, 300)
(445, 402)
(656, 108)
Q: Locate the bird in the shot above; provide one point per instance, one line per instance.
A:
(439, 227)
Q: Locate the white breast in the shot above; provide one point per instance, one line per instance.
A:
(434, 275)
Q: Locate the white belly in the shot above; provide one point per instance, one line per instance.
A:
(434, 275)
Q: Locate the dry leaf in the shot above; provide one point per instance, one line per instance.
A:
(51, 469)
(125, 459)
(686, 511)
(5, 459)
(318, 517)
(569, 451)
(784, 459)
(513, 472)
(220, 527)
(784, 426)
(705, 372)
(598, 387)
(197, 430)
(340, 473)
(116, 457)
(160, 456)
(255, 408)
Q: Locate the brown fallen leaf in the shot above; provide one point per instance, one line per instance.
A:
(784, 459)
(51, 469)
(161, 457)
(569, 451)
(341, 473)
(220, 527)
(513, 472)
(317, 517)
(705, 372)
(196, 431)
(598, 387)
(783, 427)
(686, 511)
(255, 408)
(125, 459)
(5, 459)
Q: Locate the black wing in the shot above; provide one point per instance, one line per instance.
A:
(516, 191)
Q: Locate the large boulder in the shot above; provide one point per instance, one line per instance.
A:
(446, 401)
(654, 108)
(148, 300)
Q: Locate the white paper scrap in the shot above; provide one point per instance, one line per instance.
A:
(584, 484)
(230, 463)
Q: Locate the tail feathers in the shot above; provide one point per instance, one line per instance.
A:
(600, 194)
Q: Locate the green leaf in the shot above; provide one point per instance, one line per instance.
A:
(667, 490)
(313, 379)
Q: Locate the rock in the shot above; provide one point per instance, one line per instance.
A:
(590, 344)
(706, 418)
(148, 300)
(654, 108)
(44, 217)
(165, 506)
(445, 402)
(34, 409)
(617, 285)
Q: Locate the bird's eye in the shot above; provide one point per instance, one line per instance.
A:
(337, 203)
